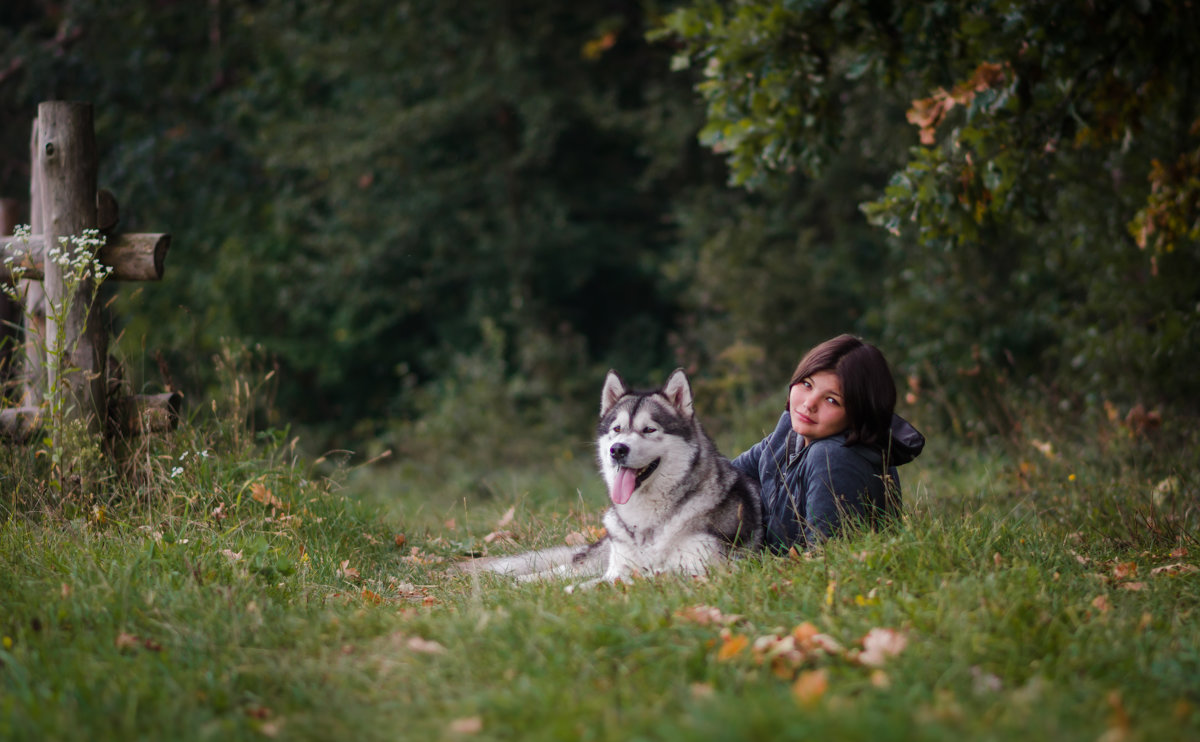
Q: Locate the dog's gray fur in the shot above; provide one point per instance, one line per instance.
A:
(677, 504)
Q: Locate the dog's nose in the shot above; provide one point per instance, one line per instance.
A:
(618, 452)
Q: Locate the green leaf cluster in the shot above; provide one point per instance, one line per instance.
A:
(1045, 223)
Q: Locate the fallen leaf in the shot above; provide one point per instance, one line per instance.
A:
(805, 632)
(1178, 553)
(985, 682)
(702, 690)
(1180, 568)
(731, 645)
(424, 646)
(879, 644)
(231, 555)
(371, 597)
(1124, 570)
(506, 518)
(1045, 448)
(499, 536)
(126, 641)
(1118, 721)
(1100, 603)
(399, 540)
(129, 641)
(468, 725)
(346, 572)
(260, 493)
(1135, 586)
(810, 686)
(880, 679)
(705, 615)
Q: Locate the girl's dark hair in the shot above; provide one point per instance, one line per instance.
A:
(868, 389)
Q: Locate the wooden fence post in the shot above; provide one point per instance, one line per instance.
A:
(68, 167)
(63, 203)
(31, 292)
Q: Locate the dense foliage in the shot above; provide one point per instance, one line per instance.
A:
(1045, 222)
(397, 199)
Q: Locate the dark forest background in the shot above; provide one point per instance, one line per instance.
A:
(423, 209)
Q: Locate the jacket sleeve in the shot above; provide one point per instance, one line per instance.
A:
(835, 490)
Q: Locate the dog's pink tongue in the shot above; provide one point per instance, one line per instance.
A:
(622, 488)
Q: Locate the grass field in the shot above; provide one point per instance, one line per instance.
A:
(1040, 591)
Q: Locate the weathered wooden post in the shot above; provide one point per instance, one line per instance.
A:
(64, 202)
(78, 349)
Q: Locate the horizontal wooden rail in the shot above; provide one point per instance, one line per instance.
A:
(133, 257)
(136, 415)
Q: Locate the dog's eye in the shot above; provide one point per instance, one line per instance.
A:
(616, 429)
(648, 430)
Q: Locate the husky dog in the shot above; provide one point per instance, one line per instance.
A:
(677, 504)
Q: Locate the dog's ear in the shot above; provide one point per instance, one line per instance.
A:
(614, 389)
(678, 392)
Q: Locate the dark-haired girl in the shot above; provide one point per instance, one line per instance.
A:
(831, 461)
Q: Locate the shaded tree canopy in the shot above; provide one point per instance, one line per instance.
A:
(373, 190)
(1045, 217)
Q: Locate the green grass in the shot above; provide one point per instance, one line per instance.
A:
(198, 607)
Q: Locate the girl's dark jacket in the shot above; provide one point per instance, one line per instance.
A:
(810, 492)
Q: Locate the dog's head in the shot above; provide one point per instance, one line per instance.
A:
(638, 430)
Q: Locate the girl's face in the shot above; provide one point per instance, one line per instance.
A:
(816, 407)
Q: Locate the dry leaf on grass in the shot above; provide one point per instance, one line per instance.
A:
(346, 572)
(731, 645)
(424, 646)
(586, 536)
(260, 493)
(705, 615)
(1180, 568)
(469, 725)
(130, 641)
(499, 536)
(1123, 571)
(811, 686)
(880, 644)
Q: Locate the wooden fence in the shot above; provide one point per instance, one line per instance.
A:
(64, 201)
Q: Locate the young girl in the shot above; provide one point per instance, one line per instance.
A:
(832, 458)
